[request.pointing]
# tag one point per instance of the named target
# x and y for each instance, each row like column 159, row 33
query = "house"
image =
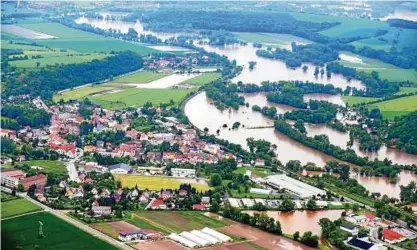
column 166, row 194
column 205, row 200
column 349, row 228
column 259, row 162
column 158, row 204
column 363, row 244
column 391, row 236
column 199, row 207
column 183, row 172
column 141, row 234
column 183, row 193
column 101, row 210
column 39, row 179
column 356, row 219
column 120, row 168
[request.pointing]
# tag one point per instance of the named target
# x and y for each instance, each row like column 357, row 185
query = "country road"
column 80, row 225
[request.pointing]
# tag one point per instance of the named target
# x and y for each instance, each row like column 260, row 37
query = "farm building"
column 199, row 241
column 182, row 240
column 142, row 234
column 294, row 186
column 363, row 244
column 207, row 237
column 217, row 235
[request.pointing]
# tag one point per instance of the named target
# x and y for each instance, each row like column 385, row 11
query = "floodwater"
column 26, row 33
column 165, row 82
column 122, row 26
column 168, row 48
column 200, row 111
column 301, row 221
column 274, row 70
column 402, row 13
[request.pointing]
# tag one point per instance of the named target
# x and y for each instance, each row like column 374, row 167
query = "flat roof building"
column 294, row 186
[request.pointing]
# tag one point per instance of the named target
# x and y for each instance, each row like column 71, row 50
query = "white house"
column 349, row 228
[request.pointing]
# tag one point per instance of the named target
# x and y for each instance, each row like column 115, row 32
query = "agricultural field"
column 178, row 221
column 50, row 61
column 134, row 97
column 22, row 233
column 396, row 107
column 142, row 77
column 353, row 100
column 81, row 41
column 348, row 26
column 113, row 229
column 270, row 38
column 203, row 79
column 385, row 70
column 406, row 90
column 81, row 92
column 154, row 182
column 17, row 207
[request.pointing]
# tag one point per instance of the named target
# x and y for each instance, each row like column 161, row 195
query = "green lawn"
column 204, row 79
column 17, row 207
column 134, row 97
column 142, row 77
column 397, row 107
column 174, row 221
column 32, row 63
column 353, row 100
column 406, row 90
column 22, row 233
column 261, row 172
column 48, row 166
column 81, row 92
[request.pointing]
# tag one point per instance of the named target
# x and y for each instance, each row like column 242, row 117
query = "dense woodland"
column 48, row 80
column 404, row 133
column 23, row 114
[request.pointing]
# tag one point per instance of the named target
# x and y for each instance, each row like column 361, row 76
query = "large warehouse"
column 294, row 186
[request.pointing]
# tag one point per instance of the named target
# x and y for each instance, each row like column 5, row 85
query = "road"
column 80, row 225
column 72, row 170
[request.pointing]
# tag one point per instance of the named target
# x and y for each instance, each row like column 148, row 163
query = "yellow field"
column 154, row 182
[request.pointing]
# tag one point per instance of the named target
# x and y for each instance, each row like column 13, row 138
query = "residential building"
column 39, row 179
column 349, row 228
column 183, row 172
column 10, row 182
column 101, row 210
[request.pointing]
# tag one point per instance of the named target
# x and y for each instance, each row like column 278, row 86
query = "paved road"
column 80, row 225
column 72, row 170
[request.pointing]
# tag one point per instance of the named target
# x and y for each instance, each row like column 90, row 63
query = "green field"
column 406, row 39
column 406, row 90
column 81, row 92
column 82, row 41
column 16, row 207
column 349, row 27
column 48, row 166
column 385, row 70
column 353, row 100
column 261, row 172
column 49, row 61
column 204, row 79
column 396, row 107
column 172, row 221
column 22, row 233
column 269, row 38
column 154, row 182
column 134, row 97
column 142, row 77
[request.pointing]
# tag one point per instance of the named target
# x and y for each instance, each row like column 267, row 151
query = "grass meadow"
column 17, row 207
column 142, row 77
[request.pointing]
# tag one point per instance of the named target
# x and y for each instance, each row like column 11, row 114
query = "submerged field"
column 142, row 77
column 203, row 79
column 17, row 207
column 154, row 182
column 22, row 233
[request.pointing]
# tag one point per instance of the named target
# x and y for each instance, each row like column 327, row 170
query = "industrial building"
column 293, row 186
column 203, row 238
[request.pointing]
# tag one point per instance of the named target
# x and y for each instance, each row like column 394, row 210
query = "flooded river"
column 301, row 221
column 274, row 70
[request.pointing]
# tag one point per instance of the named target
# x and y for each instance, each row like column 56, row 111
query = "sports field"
column 204, row 79
column 396, row 107
column 261, row 172
column 142, row 77
column 177, row 221
column 22, row 233
column 353, row 100
column 154, row 182
column 16, row 207
column 134, row 97
column 81, row 92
